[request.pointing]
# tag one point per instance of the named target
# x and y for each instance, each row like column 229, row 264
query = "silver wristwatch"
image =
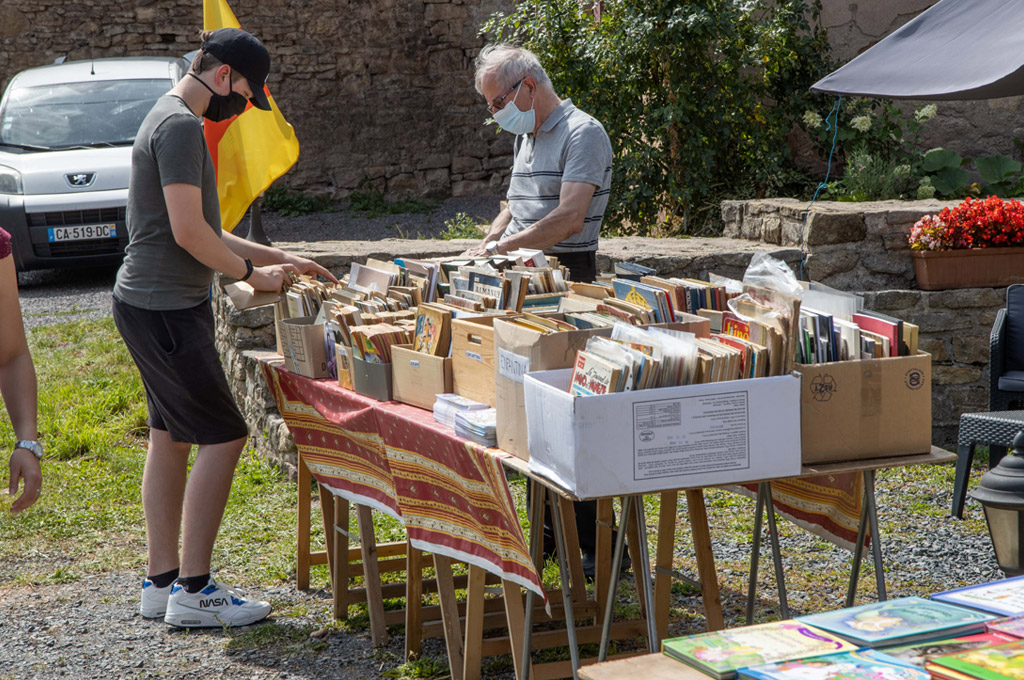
column 30, row 445
column 491, row 247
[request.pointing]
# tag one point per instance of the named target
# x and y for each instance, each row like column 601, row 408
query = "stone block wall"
column 862, row 247
column 380, row 93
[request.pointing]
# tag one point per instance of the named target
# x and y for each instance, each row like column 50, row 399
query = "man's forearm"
column 554, row 228
column 258, row 253
column 498, row 226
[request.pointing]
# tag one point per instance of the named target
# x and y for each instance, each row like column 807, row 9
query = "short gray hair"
column 509, row 63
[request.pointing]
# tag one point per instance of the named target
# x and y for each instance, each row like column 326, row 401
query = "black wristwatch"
column 248, row 269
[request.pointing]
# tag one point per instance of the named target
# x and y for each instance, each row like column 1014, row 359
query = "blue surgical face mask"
column 511, row 119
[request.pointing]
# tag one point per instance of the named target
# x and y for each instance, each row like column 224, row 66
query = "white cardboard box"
column 667, row 438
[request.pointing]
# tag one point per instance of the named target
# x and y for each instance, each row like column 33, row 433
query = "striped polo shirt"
column 571, row 146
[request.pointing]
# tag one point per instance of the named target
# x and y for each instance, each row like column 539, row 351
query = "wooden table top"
column 646, row 667
column 936, row 455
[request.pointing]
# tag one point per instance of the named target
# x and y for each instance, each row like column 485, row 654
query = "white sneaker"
column 212, row 607
column 154, row 600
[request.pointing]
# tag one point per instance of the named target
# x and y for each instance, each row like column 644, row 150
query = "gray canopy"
column 957, row 49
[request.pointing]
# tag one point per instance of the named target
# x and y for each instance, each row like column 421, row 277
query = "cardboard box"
column 666, row 438
column 519, row 350
column 473, row 358
column 372, row 380
column 871, row 408
column 304, row 349
column 417, row 378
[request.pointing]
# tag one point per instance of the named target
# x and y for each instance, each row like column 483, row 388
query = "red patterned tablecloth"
column 450, row 494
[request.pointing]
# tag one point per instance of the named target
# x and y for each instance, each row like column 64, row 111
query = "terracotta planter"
column 972, row 268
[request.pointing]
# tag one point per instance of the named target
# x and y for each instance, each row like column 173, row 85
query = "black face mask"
column 222, row 106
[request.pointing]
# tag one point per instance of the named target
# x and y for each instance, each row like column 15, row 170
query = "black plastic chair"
column 1006, row 353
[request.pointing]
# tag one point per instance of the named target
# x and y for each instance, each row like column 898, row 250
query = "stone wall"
column 244, row 337
column 380, row 93
column 862, row 247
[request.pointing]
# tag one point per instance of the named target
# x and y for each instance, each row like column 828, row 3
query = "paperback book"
column 721, row 653
column 905, row 620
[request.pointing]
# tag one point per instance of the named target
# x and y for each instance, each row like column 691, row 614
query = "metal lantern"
column 1001, row 493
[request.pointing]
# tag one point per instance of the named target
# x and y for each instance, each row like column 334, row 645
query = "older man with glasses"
column 563, row 164
column 558, row 192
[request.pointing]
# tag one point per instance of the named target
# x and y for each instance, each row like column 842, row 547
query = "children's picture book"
column 1002, row 662
column 593, row 375
column 867, row 664
column 920, row 653
column 433, row 330
column 721, row 653
column 1004, row 597
column 1010, row 625
column 904, row 620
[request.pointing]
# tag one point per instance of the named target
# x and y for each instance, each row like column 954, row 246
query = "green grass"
column 422, row 667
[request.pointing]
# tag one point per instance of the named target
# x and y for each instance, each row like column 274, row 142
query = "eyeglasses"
column 499, row 103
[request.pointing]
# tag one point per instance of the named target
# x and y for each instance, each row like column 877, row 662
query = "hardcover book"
column 1002, row 662
column 867, row 664
column 1004, row 597
column 920, row 653
column 905, row 620
column 1010, row 625
column 721, row 653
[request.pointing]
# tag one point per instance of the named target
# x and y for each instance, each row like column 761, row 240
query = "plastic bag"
column 767, row 272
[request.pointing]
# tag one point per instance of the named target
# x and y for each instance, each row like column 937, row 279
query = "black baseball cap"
column 246, row 54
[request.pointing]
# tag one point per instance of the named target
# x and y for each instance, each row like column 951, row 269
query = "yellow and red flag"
column 250, row 150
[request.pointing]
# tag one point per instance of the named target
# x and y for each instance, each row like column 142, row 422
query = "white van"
column 66, row 134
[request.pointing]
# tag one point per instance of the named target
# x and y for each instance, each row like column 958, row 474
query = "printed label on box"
column 512, row 365
column 691, row 435
column 475, row 356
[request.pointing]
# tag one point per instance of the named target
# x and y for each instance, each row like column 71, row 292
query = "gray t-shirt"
column 571, row 146
column 157, row 273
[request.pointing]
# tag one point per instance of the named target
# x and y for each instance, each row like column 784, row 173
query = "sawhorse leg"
column 868, row 515
column 371, row 576
column 765, row 503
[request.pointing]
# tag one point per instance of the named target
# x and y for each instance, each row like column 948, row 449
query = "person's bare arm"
column 193, row 233
column 260, row 254
column 494, row 232
column 559, row 224
column 18, row 389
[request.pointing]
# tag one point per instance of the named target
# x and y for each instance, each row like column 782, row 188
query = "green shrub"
column 294, row 203
column 462, row 226
column 697, row 97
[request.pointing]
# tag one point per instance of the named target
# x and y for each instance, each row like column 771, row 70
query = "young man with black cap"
column 162, row 309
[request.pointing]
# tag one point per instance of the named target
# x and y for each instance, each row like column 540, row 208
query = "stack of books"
column 477, row 425
column 447, row 405
column 910, row 638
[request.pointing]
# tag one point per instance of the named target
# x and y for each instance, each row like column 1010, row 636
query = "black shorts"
column 582, row 265
column 186, row 390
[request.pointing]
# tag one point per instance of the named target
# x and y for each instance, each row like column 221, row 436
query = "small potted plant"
column 978, row 243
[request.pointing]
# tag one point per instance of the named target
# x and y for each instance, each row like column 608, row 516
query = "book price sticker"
column 691, row 435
